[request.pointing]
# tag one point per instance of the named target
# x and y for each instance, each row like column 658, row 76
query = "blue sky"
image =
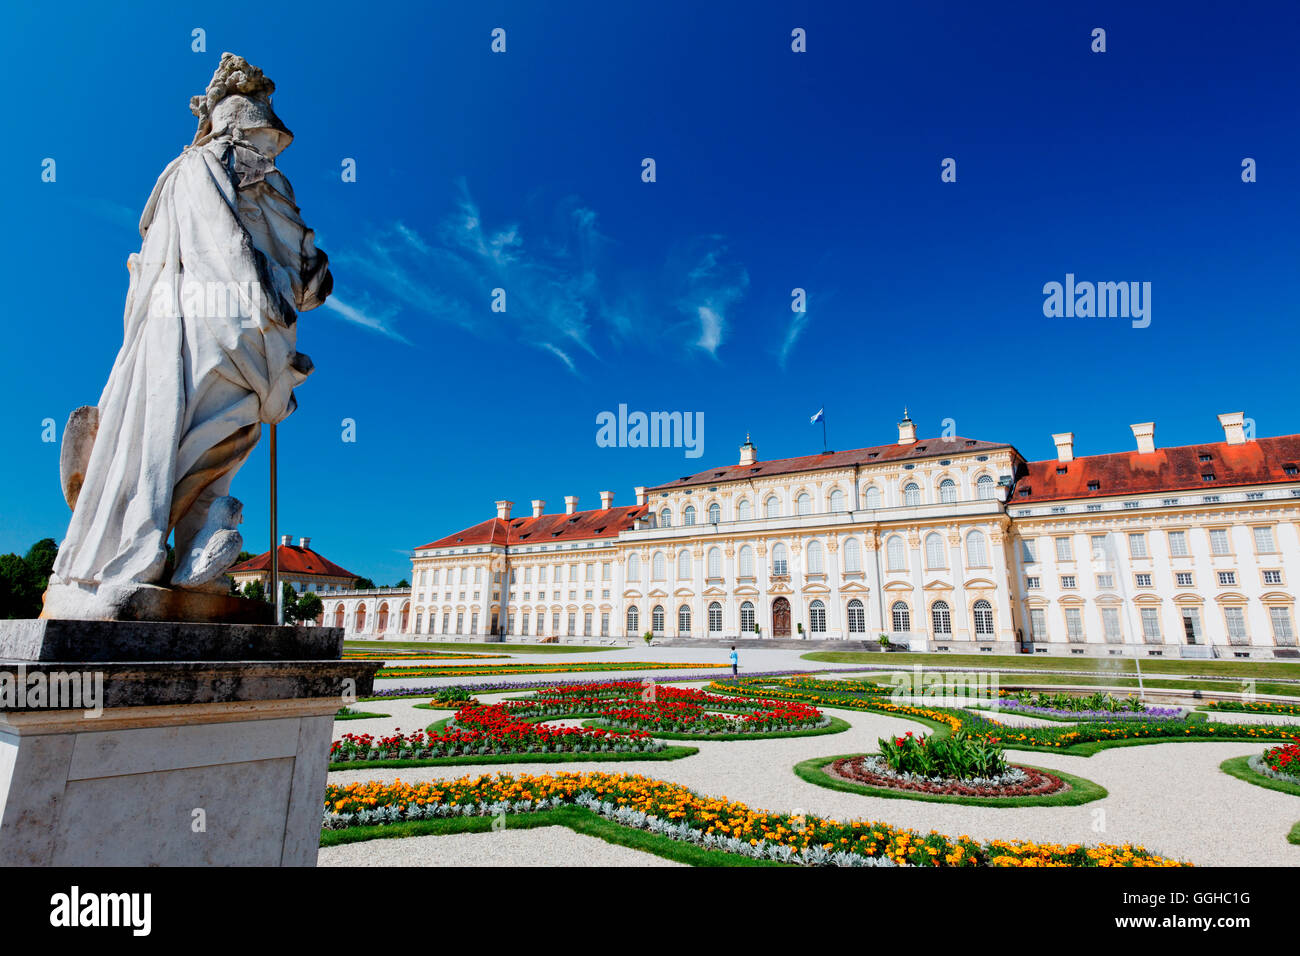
column 775, row 170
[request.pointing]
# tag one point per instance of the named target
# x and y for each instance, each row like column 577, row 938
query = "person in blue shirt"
column 735, row 661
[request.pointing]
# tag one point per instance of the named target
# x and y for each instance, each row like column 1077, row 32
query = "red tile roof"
column 1258, row 462
column 923, row 448
column 518, row 531
column 294, row 560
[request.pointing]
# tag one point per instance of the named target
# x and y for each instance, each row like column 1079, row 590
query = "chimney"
column 539, row 505
column 748, row 453
column 570, row 504
column 503, row 509
column 304, row 543
column 606, row 500
column 1064, row 446
column 284, row 540
column 906, row 430
column 1233, row 423
column 1145, row 433
column 639, row 491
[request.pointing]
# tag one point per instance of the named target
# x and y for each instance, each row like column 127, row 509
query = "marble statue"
column 208, row 356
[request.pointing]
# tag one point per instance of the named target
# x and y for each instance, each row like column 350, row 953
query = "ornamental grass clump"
column 959, row 756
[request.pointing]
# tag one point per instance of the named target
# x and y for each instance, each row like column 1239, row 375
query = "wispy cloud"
column 798, row 322
column 562, row 295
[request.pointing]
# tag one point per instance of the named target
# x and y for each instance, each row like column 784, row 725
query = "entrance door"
column 780, row 618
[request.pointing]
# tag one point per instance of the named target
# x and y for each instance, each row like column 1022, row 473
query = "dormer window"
column 1061, row 470
column 1094, row 486
column 1291, row 469
column 1207, row 476
column 1204, row 458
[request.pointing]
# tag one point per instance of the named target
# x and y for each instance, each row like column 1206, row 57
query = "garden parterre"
column 675, row 811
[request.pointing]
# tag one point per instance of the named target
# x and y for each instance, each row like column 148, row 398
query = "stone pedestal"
column 135, row 744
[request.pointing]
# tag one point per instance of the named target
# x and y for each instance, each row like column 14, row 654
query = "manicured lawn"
column 1240, row 768
column 1121, row 665
column 467, row 648
column 1081, row 790
column 359, row 715
column 577, row 819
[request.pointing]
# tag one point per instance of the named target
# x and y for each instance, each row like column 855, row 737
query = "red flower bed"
column 1284, row 759
column 1037, row 783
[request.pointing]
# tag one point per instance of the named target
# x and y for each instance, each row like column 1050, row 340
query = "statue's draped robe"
column 195, row 378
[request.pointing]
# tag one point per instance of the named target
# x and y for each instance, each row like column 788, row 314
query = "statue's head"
column 238, row 104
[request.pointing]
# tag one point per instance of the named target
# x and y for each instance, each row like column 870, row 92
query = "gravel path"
column 542, row 846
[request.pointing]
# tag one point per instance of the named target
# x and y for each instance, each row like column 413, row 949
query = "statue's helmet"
column 238, row 103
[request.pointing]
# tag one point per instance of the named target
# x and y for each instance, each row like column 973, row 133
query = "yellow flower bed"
column 720, row 816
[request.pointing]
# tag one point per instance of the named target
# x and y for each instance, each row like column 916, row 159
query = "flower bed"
column 1282, row 762
column 1055, row 713
column 872, row 771
column 490, row 687
column 629, row 705
column 1255, row 707
column 674, row 811
column 1087, row 736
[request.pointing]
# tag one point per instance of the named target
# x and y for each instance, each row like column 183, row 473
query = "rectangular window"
column 1110, row 624
column 1031, row 550
column 1038, row 624
column 1191, row 625
column 1151, row 625
column 606, row 570
column 573, row 623
column 1169, row 501
column 1094, row 507
column 1178, row 544
column 1264, row 540
column 1183, row 579
column 1283, row 634
column 1236, row 621
column 1063, row 550
column 1105, row 581
column 473, row 623
column 1132, row 504
column 1227, row 578
column 1031, row 583
column 604, row 624
column 460, row 622
column 586, row 624
column 1137, row 544
column 1219, row 543
column 1067, row 580
column 1272, row 577
column 1073, row 624
column 1142, row 580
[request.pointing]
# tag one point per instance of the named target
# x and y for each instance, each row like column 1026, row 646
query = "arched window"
column 360, row 622
column 804, row 503
column 871, row 497
column 901, row 616
column 633, row 619
column 715, row 562
column 683, row 565
column 684, row 619
column 983, row 619
column 338, row 616
column 780, row 559
column 984, row 486
column 976, row 554
column 772, row 507
column 746, row 561
column 633, row 569
column 665, row 518
column 816, row 562
column 715, row 513
column 744, row 511
column 934, row 551
column 715, row 617
column 895, row 553
column 817, row 617
column 948, row 491
column 837, row 500
column 852, row 555
column 688, row 516
column 747, row 618
column 657, row 619
column 857, row 617
column 941, row 617
column 659, row 571
column 911, row 495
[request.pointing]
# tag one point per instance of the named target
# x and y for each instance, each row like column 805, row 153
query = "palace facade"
column 945, row 544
